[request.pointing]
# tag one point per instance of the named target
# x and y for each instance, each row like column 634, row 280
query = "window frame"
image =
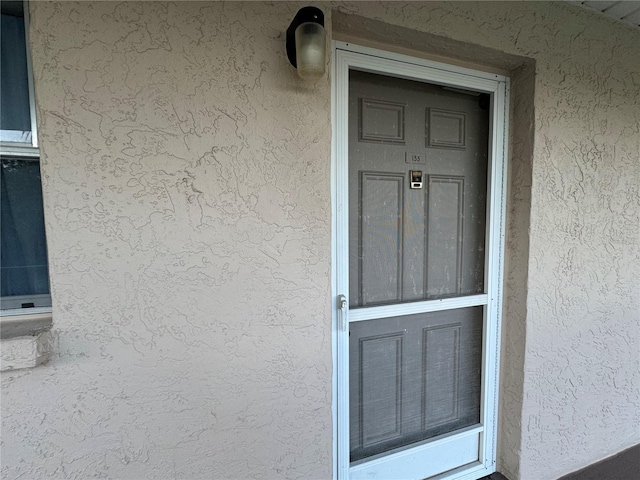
column 24, row 148
column 28, row 152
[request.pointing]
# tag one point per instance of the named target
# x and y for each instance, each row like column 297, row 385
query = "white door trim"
column 347, row 56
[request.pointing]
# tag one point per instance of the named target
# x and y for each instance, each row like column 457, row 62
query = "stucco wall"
column 186, row 186
column 187, row 191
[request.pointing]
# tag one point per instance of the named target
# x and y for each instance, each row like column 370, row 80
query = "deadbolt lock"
column 415, row 177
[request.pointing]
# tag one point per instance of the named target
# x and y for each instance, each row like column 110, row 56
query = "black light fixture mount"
column 306, row 43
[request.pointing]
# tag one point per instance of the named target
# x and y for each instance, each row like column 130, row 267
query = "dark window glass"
column 15, row 114
column 23, row 251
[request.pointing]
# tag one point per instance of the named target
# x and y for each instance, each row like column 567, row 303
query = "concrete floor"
column 623, row 466
column 495, row 476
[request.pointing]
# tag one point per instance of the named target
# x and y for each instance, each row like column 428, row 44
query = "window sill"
column 26, row 339
column 19, row 149
column 18, row 323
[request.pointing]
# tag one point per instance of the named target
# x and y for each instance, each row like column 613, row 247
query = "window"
column 24, row 275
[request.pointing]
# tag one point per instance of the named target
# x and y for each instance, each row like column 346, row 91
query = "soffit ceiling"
column 627, row 11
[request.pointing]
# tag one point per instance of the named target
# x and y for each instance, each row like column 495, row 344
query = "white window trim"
column 375, row 60
column 32, row 92
column 18, row 148
column 28, row 321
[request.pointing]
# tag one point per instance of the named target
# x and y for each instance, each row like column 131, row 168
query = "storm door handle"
column 342, row 305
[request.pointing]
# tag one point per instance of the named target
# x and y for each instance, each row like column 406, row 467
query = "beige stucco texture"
column 186, row 180
column 186, row 176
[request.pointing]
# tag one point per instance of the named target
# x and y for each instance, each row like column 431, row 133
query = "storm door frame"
column 346, row 56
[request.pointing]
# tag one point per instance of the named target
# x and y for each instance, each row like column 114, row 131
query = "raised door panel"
column 380, row 406
column 444, row 235
column 440, row 374
column 381, row 238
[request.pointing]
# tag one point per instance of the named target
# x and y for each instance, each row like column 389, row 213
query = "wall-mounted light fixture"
column 306, row 45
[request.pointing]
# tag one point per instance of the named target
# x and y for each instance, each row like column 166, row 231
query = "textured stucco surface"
column 186, row 179
column 516, row 268
column 187, row 199
column 25, row 352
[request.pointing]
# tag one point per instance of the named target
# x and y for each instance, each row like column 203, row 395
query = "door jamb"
column 377, row 61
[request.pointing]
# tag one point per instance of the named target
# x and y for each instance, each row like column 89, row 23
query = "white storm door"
column 419, row 183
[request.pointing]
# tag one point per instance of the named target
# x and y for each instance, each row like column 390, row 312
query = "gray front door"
column 414, row 377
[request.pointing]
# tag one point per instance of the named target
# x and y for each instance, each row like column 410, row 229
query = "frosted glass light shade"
column 310, row 50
